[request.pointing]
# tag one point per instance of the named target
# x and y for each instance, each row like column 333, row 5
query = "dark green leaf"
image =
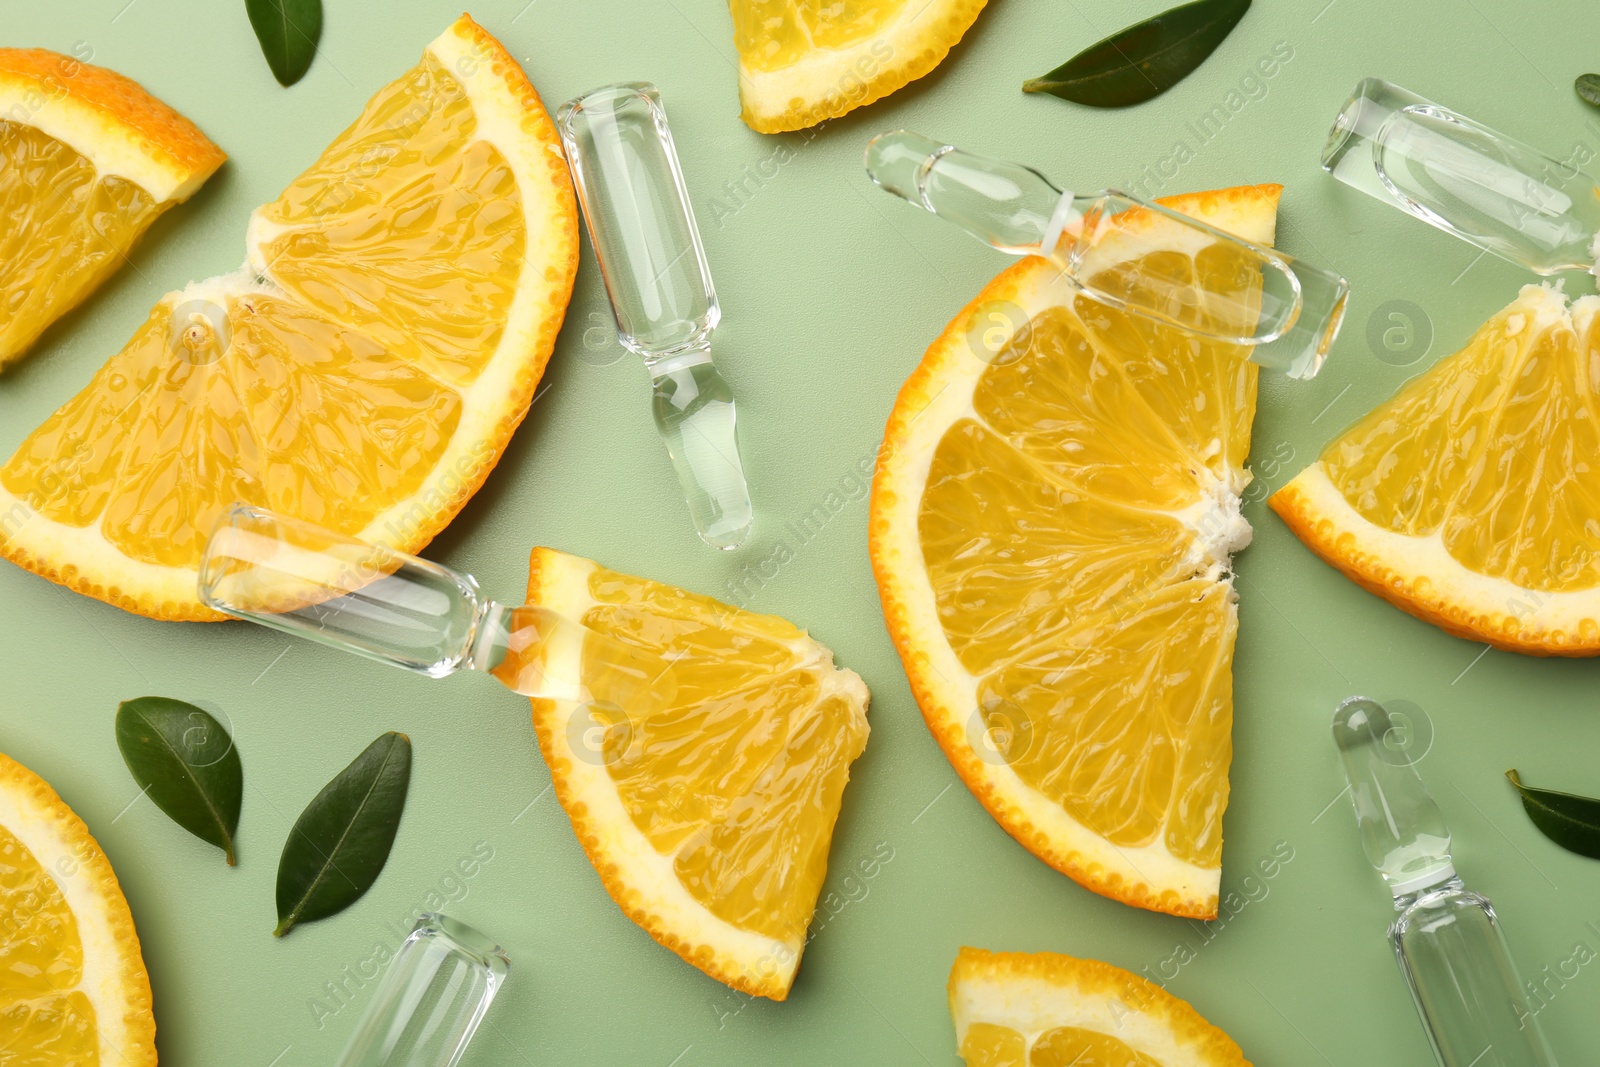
column 340, row 842
column 1573, row 822
column 186, row 762
column 1144, row 60
column 1588, row 87
column 288, row 32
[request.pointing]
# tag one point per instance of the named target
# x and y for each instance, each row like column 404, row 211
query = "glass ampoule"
column 432, row 999
column 1447, row 939
column 1285, row 313
column 1489, row 189
column 299, row 578
column 636, row 205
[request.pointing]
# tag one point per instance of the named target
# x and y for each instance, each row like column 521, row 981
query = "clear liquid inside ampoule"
column 299, row 578
column 1462, row 177
column 639, row 220
column 695, row 414
column 1455, row 960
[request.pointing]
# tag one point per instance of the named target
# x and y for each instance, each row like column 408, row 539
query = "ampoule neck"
column 680, row 357
column 1006, row 205
column 490, row 635
column 1449, row 884
column 531, row 650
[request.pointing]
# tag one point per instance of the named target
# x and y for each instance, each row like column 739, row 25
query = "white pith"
column 1215, row 519
column 41, row 833
column 957, row 688
column 490, row 399
column 1452, row 583
column 1033, row 1005
column 113, row 147
column 647, row 876
column 1436, row 579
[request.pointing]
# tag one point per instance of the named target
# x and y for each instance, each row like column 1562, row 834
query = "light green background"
column 831, row 291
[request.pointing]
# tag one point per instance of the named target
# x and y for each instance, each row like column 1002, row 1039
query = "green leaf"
column 340, row 842
column 288, row 32
column 1144, row 60
column 186, row 762
column 1588, row 87
column 1573, row 822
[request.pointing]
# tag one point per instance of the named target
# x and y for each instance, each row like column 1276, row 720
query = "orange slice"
column 804, row 61
column 1053, row 519
column 1467, row 499
column 707, row 810
column 73, row 987
column 1014, row 1009
column 88, row 160
column 365, row 369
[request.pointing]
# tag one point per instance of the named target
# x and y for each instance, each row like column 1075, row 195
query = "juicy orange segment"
column 804, row 61
column 363, row 372
column 73, row 987
column 1052, row 524
column 708, row 805
column 88, row 160
column 425, row 263
column 1465, row 499
column 1042, row 1009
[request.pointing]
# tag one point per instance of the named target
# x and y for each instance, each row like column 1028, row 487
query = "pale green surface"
column 831, row 290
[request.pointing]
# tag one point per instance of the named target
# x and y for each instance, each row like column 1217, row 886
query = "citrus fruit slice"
column 1041, row 1009
column 1053, row 518
column 88, row 160
column 364, row 371
column 802, row 62
column 73, row 988
column 1468, row 499
column 708, row 808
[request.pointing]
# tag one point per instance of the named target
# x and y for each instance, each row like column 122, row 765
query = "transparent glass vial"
column 1287, row 322
column 295, row 576
column 1462, row 177
column 432, row 999
column 1447, row 939
column 645, row 239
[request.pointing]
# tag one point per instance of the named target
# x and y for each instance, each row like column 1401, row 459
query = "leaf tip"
column 283, row 927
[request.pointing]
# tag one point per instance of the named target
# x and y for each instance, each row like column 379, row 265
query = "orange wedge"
column 802, row 62
column 1469, row 499
column 364, row 370
column 73, row 987
column 1053, row 519
column 88, row 160
column 708, row 811
column 1041, row 1009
